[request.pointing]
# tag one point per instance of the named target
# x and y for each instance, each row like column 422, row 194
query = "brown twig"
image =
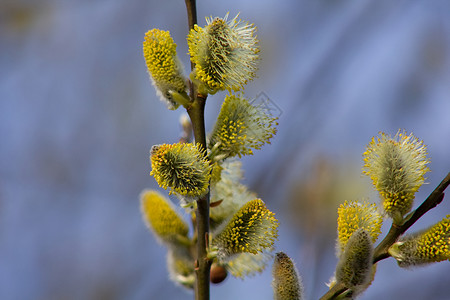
column 334, row 291
column 196, row 114
column 191, row 8
column 436, row 197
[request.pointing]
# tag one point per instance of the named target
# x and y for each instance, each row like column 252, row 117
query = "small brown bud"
column 218, row 273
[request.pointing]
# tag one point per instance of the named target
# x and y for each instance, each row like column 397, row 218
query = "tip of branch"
column 440, row 198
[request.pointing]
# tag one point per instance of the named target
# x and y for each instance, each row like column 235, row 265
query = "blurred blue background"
column 78, row 116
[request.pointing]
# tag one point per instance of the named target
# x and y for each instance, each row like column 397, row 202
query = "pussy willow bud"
column 230, row 191
column 216, row 173
column 248, row 264
column 286, row 282
column 353, row 216
column 161, row 217
column 240, row 127
column 218, row 273
column 181, row 167
column 397, row 166
column 180, row 265
column 252, row 229
column 431, row 245
column 354, row 268
column 186, row 125
column 225, row 53
column 166, row 71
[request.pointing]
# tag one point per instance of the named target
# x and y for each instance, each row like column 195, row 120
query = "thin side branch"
column 333, row 292
column 381, row 251
column 436, row 197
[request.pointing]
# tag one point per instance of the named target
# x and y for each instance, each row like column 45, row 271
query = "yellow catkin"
column 352, row 216
column 225, row 53
column 182, row 167
column 431, row 245
column 252, row 229
column 240, row 128
column 354, row 268
column 163, row 65
column 397, row 167
column 161, row 217
column 286, row 282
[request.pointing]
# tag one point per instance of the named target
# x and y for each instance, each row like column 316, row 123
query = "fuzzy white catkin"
column 355, row 265
column 286, row 282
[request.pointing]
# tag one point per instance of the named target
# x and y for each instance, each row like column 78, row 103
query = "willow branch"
column 381, row 251
column 196, row 113
column 436, row 197
column 334, row 291
column 191, row 8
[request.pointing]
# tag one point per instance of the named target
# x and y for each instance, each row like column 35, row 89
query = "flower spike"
column 286, row 282
column 225, row 53
column 161, row 217
column 354, row 268
column 164, row 67
column 182, row 167
column 252, row 229
column 397, row 166
column 240, row 128
column 353, row 216
column 432, row 245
